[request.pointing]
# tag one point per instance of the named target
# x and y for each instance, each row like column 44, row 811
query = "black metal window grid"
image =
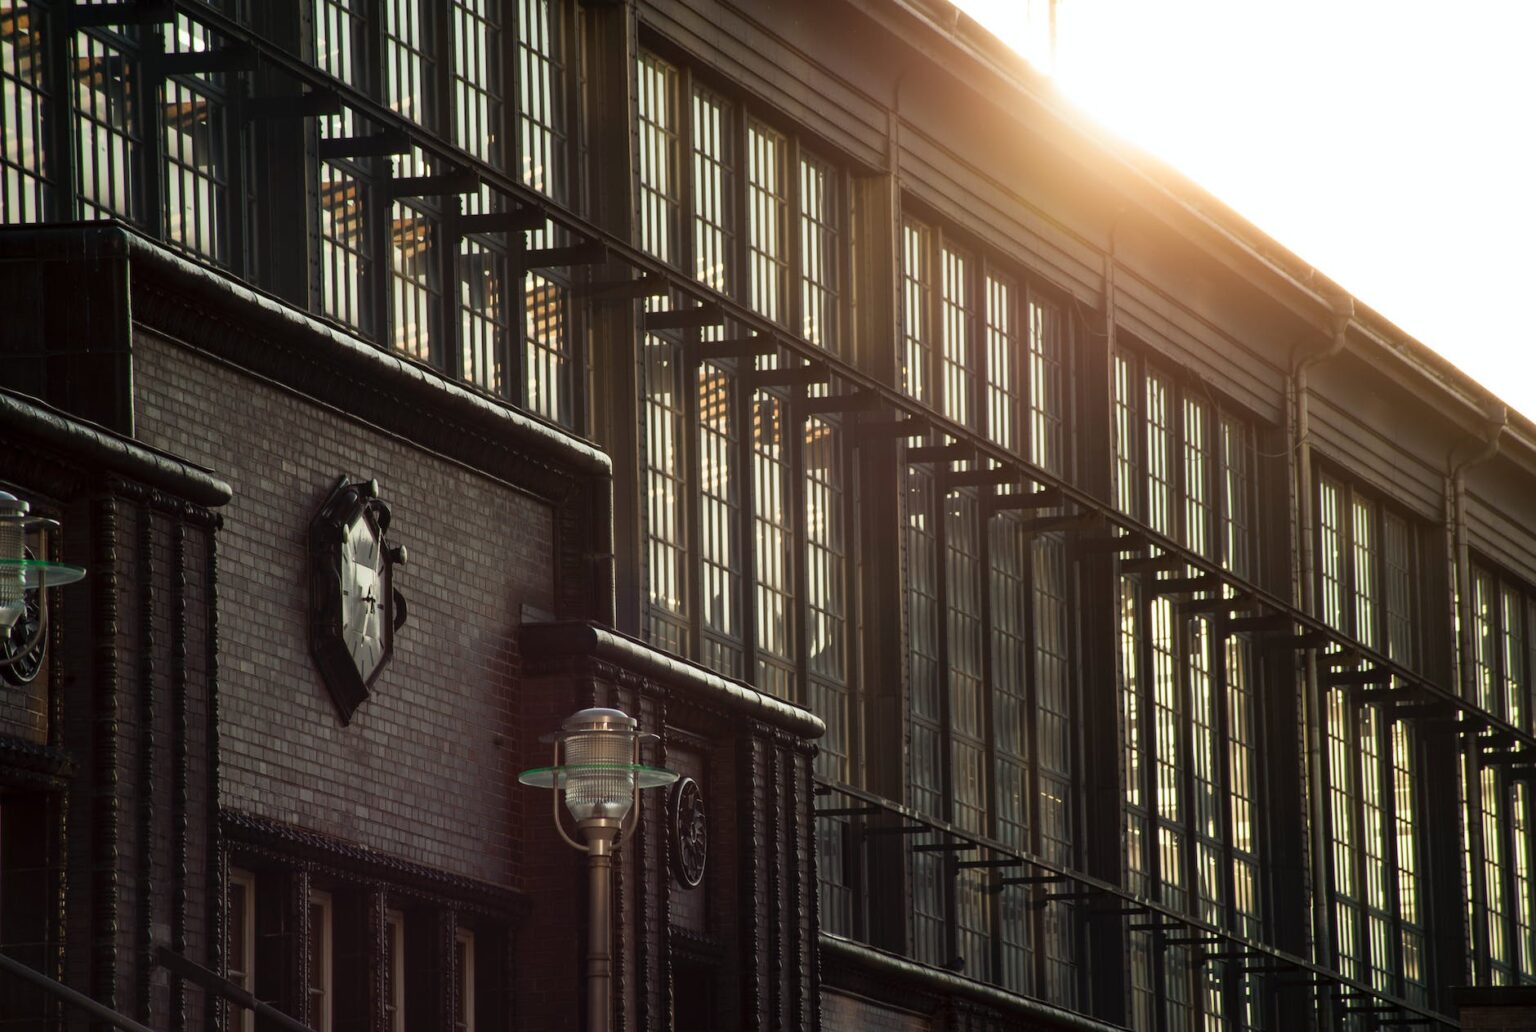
column 25, row 174
column 990, row 719
column 1367, row 568
column 1498, row 796
column 737, row 479
column 1184, row 464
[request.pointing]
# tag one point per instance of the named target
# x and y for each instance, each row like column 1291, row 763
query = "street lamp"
column 602, row 777
column 20, row 574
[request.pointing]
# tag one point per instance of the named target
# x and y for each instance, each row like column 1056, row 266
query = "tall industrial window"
column 1367, row 564
column 24, row 171
column 773, row 537
column 194, row 205
column 819, row 282
column 767, row 269
column 1503, row 617
column 477, row 127
column 1183, row 465
column 547, row 351
column 989, row 617
column 344, row 197
column 108, row 126
column 720, row 488
column 916, row 334
column 666, row 615
column 415, row 224
column 738, row 483
column 767, row 222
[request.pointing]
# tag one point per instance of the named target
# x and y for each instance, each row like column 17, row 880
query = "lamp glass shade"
column 559, row 777
column 29, row 574
column 601, row 783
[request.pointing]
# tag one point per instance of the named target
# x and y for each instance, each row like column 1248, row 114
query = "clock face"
column 354, row 607
column 363, row 602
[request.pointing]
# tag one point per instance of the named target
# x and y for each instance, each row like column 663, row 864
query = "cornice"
column 25, row 763
column 548, row 645
column 208, row 311
column 170, row 480
column 285, row 843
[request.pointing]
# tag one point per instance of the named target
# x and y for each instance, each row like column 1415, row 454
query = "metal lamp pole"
column 600, row 781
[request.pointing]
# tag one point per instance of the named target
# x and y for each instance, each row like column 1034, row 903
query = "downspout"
column 1456, row 531
column 1311, row 713
column 1463, row 671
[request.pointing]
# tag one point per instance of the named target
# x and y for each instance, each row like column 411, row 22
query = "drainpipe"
column 1464, row 675
column 1456, row 533
column 1303, row 571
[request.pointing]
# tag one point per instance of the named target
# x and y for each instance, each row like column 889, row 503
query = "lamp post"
column 601, row 779
column 19, row 574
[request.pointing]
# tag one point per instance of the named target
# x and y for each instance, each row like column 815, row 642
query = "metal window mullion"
column 938, row 502
column 1033, row 814
column 376, row 172
column 989, row 721
column 1147, row 708
column 1472, row 814
column 793, row 422
column 149, row 121
column 1507, row 873
column 1222, row 731
column 689, row 368
column 444, row 324
column 60, row 114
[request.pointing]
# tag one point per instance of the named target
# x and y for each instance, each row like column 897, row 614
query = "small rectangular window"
column 394, row 970
column 464, row 981
column 240, row 948
column 320, row 992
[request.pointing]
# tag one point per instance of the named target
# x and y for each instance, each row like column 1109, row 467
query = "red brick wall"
column 422, row 772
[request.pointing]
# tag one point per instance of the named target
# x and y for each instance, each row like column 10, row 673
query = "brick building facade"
column 1075, row 612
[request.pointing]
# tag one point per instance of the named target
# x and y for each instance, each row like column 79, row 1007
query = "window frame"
column 1387, row 750
column 674, row 216
column 1508, row 818
column 1176, row 689
column 321, row 939
column 246, row 979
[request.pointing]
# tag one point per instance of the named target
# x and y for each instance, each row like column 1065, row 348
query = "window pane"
column 955, row 311
column 107, row 137
column 819, row 252
column 767, row 253
column 916, row 343
column 24, row 172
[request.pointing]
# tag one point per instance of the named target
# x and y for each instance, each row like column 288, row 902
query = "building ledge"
column 836, row 950
column 574, row 639
column 26, row 417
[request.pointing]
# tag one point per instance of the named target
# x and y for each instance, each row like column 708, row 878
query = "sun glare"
column 1386, row 142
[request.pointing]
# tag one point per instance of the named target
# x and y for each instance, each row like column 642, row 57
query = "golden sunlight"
column 1387, row 142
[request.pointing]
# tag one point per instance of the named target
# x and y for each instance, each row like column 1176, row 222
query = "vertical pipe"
column 600, row 929
column 1312, row 712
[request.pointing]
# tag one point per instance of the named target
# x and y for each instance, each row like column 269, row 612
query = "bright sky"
column 1389, row 143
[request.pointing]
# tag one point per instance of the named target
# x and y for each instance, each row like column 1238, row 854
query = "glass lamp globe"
column 18, row 574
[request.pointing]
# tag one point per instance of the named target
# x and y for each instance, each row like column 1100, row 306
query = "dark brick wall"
column 841, row 1013
column 421, row 772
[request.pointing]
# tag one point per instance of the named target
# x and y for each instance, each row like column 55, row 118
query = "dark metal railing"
column 884, row 839
column 171, row 961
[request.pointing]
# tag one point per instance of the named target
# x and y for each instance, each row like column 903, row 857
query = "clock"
column 355, row 608
column 23, row 662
